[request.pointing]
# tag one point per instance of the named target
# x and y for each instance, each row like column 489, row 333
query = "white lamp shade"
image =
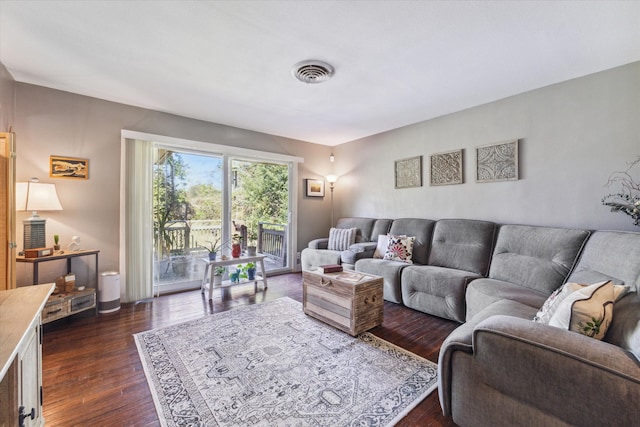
column 332, row 178
column 37, row 196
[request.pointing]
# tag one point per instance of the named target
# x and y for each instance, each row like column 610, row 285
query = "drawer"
column 55, row 310
column 82, row 302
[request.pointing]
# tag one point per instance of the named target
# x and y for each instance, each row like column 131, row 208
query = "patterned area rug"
column 271, row 365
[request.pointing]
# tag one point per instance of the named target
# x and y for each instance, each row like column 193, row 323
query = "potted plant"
column 250, row 268
column 251, row 243
column 213, row 248
column 236, row 246
column 218, row 272
column 56, row 242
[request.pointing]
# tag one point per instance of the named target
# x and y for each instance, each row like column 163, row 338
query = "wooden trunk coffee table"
column 349, row 301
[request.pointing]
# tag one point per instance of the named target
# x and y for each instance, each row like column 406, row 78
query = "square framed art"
column 408, row 172
column 446, row 168
column 314, row 187
column 497, row 162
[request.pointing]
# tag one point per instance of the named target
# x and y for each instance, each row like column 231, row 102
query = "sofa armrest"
column 537, row 372
column 358, row 251
column 322, row 243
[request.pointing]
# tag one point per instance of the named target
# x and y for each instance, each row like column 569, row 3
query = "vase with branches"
column 627, row 200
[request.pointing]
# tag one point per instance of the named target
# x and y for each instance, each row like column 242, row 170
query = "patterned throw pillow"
column 400, row 248
column 341, row 238
column 586, row 309
column 589, row 310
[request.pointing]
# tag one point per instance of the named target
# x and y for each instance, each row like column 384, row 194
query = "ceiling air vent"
column 312, row 71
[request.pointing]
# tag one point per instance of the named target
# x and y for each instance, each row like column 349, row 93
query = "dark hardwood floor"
column 93, row 376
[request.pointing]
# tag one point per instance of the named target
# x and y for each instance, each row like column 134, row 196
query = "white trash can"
column 109, row 292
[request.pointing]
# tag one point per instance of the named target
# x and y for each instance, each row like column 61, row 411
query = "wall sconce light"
column 331, row 179
column 332, row 158
column 36, row 196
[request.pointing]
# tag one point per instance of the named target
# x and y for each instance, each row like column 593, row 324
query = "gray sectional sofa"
column 499, row 367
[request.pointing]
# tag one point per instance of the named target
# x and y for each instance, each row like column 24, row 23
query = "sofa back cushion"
column 463, row 244
column 538, row 258
column 607, row 255
column 364, row 227
column 381, row 226
column 421, row 229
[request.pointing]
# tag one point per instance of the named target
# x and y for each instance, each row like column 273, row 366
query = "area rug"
column 271, row 365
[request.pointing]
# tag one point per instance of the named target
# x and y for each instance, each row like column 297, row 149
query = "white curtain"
column 139, row 219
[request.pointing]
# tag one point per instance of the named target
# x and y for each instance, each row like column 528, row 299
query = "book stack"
column 332, row 268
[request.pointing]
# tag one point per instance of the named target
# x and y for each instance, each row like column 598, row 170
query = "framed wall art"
column 68, row 167
column 446, row 168
column 497, row 162
column 408, row 172
column 314, row 187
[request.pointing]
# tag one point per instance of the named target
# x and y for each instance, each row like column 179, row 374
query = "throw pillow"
column 588, row 310
column 381, row 247
column 400, row 248
column 341, row 238
column 552, row 303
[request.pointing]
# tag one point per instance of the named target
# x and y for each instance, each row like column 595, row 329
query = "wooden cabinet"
column 7, row 211
column 21, row 355
column 351, row 305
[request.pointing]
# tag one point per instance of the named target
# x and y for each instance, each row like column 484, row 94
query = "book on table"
column 331, row 268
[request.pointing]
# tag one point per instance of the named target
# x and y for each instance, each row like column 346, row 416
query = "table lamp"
column 36, row 196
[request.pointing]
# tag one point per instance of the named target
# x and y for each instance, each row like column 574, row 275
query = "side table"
column 209, row 270
column 76, row 300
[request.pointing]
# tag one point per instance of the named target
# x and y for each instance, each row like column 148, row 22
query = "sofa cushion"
column 439, row 291
column 537, row 258
column 606, row 256
column 463, row 244
column 421, row 229
column 399, row 248
column 364, row 227
column 341, row 238
column 484, row 292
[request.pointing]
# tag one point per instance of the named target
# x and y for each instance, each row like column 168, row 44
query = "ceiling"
column 229, row 62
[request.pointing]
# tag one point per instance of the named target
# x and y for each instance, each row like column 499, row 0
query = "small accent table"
column 209, row 271
column 66, row 304
column 67, row 255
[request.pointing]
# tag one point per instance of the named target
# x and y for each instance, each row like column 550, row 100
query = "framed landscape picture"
column 408, row 172
column 68, row 167
column 314, row 187
column 497, row 162
column 446, row 168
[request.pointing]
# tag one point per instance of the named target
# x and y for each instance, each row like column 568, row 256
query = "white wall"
column 573, row 135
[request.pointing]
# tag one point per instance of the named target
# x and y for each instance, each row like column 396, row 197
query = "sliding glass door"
column 260, row 209
column 202, row 200
column 187, row 215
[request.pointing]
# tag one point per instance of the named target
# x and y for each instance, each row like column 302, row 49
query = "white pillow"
column 552, row 303
column 588, row 310
column 341, row 238
column 381, row 247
